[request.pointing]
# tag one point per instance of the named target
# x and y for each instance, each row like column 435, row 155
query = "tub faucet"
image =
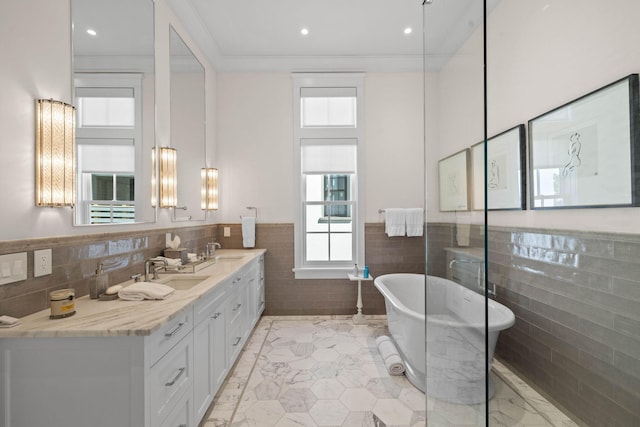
column 464, row 261
column 148, row 263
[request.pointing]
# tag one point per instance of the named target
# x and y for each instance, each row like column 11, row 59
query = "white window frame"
column 112, row 134
column 328, row 269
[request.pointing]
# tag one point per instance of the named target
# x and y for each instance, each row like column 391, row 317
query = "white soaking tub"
column 449, row 363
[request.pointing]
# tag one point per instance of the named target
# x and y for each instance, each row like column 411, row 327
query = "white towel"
column 392, row 360
column 415, row 221
column 463, row 232
column 145, row 290
column 173, row 264
column 248, row 231
column 394, row 222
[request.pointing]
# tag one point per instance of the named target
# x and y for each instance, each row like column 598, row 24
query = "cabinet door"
column 260, row 293
column 210, row 358
column 202, row 368
column 218, row 348
column 260, row 287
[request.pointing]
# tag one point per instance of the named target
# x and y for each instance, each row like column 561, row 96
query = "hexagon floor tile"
column 326, row 371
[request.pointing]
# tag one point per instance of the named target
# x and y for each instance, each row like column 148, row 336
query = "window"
column 112, row 197
column 109, row 141
column 328, row 141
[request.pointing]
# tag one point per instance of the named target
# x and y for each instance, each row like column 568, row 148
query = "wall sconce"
column 209, row 189
column 55, row 153
column 167, row 171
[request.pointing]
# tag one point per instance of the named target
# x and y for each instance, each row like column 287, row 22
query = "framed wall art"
column 453, row 180
column 505, row 172
column 586, row 153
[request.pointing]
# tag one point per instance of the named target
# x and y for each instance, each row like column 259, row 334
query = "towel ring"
column 252, row 208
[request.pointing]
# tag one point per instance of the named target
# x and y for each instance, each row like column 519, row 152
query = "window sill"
column 323, row 273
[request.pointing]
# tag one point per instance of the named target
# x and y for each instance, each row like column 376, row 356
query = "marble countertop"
column 130, row 318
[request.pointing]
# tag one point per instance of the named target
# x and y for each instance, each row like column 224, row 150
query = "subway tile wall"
column 75, row 258
column 123, row 253
column 576, row 297
column 285, row 295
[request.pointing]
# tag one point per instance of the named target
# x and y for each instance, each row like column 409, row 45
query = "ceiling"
column 343, row 34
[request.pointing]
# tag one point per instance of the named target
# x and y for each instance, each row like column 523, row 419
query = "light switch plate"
column 13, row 268
column 41, row 262
column 227, row 231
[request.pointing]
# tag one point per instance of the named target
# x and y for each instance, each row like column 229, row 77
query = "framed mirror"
column 114, row 95
column 187, row 126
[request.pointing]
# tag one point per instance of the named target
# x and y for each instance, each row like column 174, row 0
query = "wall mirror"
column 114, row 94
column 187, row 126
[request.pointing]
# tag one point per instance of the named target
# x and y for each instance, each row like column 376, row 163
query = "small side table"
column 359, row 318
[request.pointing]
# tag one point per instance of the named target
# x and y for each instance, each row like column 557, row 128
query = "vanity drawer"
column 235, row 342
column 169, row 335
column 235, row 306
column 180, row 415
column 168, row 380
column 210, row 302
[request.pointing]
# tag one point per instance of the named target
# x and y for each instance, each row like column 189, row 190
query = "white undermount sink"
column 182, row 283
column 228, row 257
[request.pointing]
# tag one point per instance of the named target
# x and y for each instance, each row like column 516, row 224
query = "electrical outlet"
column 227, row 231
column 41, row 262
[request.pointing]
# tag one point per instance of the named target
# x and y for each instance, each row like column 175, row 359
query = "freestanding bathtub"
column 453, row 352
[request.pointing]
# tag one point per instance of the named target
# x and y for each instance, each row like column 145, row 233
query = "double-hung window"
column 109, row 141
column 328, row 146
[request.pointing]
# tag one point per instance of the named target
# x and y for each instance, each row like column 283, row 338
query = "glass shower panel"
column 456, row 341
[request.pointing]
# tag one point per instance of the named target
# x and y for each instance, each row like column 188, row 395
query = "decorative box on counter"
column 180, row 253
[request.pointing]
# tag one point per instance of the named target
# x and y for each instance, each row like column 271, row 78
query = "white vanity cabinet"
column 112, row 365
column 98, row 381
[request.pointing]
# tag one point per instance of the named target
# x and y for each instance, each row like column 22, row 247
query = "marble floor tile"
column 326, row 371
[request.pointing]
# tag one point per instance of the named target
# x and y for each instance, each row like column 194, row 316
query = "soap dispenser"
column 99, row 284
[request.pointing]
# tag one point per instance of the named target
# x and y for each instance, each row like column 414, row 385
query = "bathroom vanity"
column 133, row 363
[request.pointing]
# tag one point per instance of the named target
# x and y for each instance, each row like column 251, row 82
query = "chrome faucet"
column 211, row 249
column 464, row 261
column 491, row 290
column 152, row 261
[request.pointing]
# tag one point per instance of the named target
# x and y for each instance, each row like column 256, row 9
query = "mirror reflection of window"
column 108, row 137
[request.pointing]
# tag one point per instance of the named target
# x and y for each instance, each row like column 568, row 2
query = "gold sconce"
column 55, row 153
column 209, row 189
column 167, row 171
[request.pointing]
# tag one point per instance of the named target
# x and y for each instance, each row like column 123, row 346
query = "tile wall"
column 287, row 296
column 75, row 258
column 576, row 297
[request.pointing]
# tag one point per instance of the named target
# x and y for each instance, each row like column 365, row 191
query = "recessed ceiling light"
column 91, row 32
column 304, row 31
column 408, row 30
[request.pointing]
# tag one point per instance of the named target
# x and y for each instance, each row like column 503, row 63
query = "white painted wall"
column 255, row 137
column 37, row 64
column 540, row 56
